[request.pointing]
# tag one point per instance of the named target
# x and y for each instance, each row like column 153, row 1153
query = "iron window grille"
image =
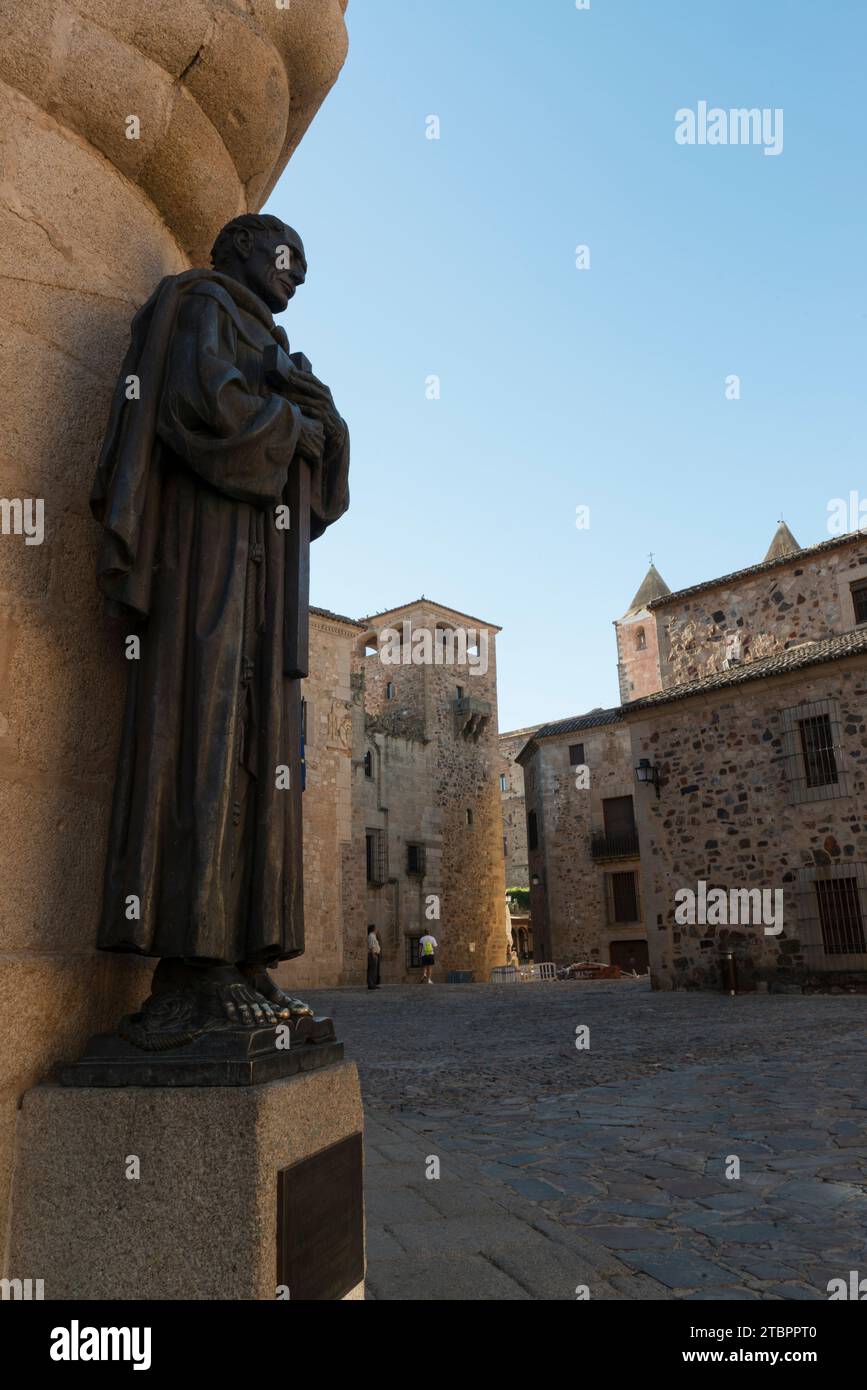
column 377, row 857
column 813, row 752
column 576, row 755
column 831, row 916
column 817, row 750
column 413, row 954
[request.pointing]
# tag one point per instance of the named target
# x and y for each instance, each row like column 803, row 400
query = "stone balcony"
column 472, row 716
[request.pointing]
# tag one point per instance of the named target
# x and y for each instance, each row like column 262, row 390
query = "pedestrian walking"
column 374, row 956
column 379, row 957
column 427, row 948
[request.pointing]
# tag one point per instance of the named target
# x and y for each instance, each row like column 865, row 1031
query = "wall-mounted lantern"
column 648, row 774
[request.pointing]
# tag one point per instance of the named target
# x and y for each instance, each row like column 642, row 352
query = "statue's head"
column 265, row 255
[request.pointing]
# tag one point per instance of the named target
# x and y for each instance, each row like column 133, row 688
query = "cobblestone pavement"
column 607, row 1167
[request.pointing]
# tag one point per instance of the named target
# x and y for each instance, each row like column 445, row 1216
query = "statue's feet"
column 189, row 999
column 306, row 1027
column 267, row 986
column 244, row 1005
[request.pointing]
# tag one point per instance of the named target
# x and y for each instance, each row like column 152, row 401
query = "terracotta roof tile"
column 796, row 558
column 337, row 617
column 579, row 722
column 797, row 658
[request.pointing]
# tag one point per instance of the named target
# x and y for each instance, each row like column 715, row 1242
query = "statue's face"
column 275, row 266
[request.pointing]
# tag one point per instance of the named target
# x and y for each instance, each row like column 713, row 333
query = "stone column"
column 129, row 133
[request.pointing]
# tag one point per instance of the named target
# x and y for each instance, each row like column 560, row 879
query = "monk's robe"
column 204, row 852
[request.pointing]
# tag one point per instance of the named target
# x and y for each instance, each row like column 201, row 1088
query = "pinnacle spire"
column 784, row 543
column 653, row 586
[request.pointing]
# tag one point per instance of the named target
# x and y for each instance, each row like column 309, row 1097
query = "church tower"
column 638, row 666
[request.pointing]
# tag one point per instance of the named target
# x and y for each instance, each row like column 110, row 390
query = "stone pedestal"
column 200, row 1221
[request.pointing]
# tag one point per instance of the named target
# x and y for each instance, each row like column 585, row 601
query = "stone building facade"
column 793, row 596
column 741, row 749
column 515, row 853
column 402, row 823
column 90, row 221
column 429, row 794
column 514, row 811
column 762, row 785
column 330, row 878
column 585, row 897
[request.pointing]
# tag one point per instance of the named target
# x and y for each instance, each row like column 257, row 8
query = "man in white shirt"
column 427, row 949
column 374, row 952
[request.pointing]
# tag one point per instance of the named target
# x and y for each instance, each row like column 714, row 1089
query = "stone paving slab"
column 446, row 1279
column 615, row 1158
column 458, row 1216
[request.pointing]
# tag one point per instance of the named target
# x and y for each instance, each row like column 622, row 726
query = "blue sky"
column 562, row 388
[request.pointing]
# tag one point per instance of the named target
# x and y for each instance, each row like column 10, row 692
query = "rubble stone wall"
column 726, row 815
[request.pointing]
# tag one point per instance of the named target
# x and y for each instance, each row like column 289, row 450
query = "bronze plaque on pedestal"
column 320, row 1223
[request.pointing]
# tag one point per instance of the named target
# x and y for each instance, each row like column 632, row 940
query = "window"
column 619, row 816
column 505, row 847
column 813, row 752
column 504, row 782
column 445, row 646
column 532, row 830
column 840, row 916
column 576, row 755
column 376, row 846
column 619, row 840
column 830, row 918
column 623, row 901
column 413, row 958
column 459, row 692
column 620, row 837
column 817, row 750
column 368, row 764
column 641, row 640
column 859, row 598
column 415, row 860
column 469, row 816
column 389, row 691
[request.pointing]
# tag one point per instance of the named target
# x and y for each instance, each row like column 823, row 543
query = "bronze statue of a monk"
column 223, row 455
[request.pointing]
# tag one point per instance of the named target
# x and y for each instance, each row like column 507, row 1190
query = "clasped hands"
column 320, row 422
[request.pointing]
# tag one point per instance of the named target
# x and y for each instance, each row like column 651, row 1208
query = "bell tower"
column 638, row 665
